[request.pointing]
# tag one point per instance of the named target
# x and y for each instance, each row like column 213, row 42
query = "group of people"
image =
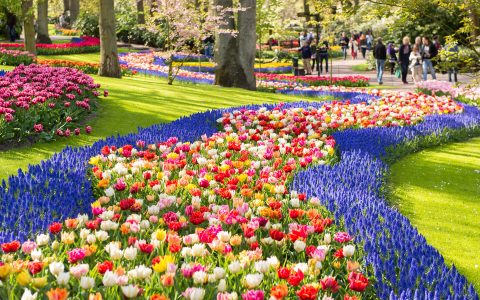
column 313, row 53
column 418, row 58
column 360, row 42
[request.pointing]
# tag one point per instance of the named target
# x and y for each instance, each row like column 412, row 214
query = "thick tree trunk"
column 153, row 6
column 42, row 20
column 109, row 66
column 28, row 26
column 66, row 5
column 74, row 10
column 235, row 56
column 140, row 12
column 226, row 49
column 247, row 38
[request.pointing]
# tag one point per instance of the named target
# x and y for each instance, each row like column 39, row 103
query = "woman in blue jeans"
column 429, row 51
column 380, row 55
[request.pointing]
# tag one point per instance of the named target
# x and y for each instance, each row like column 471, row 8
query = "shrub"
column 87, row 24
column 41, row 102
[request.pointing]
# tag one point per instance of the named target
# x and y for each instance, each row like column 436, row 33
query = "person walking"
column 322, row 54
column 380, row 55
column 392, row 57
column 404, row 57
column 369, row 37
column 303, row 38
column 416, row 64
column 313, row 49
column 428, row 53
column 363, row 45
column 354, row 46
column 344, row 44
column 306, row 53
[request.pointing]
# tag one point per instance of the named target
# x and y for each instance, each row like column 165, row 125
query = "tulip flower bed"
column 85, row 67
column 16, row 57
column 86, row 45
column 149, row 63
column 347, row 81
column 166, row 214
column 466, row 94
column 41, row 102
column 208, row 67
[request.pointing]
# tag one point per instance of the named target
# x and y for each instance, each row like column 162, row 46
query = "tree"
column 28, row 26
column 42, row 20
column 140, row 12
column 75, row 10
column 235, row 54
column 184, row 25
column 109, row 65
column 66, row 5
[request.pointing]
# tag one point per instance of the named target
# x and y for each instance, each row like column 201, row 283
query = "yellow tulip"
column 23, row 278
column 161, row 235
column 5, row 270
column 161, row 266
column 39, row 282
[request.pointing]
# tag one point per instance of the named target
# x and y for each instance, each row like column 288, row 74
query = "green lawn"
column 138, row 101
column 439, row 191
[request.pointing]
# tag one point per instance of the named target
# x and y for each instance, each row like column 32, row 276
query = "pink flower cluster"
column 44, row 99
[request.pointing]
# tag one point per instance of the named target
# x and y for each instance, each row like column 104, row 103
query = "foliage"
column 87, row 24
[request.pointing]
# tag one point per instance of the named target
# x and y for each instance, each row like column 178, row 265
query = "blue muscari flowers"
column 404, row 265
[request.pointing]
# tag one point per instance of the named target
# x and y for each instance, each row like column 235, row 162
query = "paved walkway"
column 344, row 68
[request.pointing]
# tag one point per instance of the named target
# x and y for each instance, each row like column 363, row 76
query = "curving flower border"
column 405, row 266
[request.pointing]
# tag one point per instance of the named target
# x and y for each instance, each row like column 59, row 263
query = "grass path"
column 134, row 102
column 439, row 191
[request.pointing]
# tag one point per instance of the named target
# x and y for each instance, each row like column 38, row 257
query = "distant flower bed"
column 85, row 67
column 44, row 102
column 209, row 67
column 348, row 81
column 466, row 94
column 16, row 57
column 69, row 32
column 85, row 44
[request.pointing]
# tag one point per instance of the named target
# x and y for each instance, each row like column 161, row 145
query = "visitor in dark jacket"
column 322, row 54
column 392, row 56
column 306, row 53
column 380, row 55
column 404, row 57
column 429, row 51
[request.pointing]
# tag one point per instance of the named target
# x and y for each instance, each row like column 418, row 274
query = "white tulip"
column 198, row 250
column 56, row 268
column 87, row 283
column 299, row 245
column 36, row 254
column 235, row 267
column 222, row 285
column 200, row 277
column 27, row 295
column 348, row 250
column 197, row 294
column 130, row 291
column 130, row 253
column 43, row 239
column 109, row 279
column 219, row 272
column 262, row 266
column 253, row 280
column 63, row 278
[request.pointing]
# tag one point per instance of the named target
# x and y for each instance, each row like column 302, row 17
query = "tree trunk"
column 74, row 10
column 42, row 20
column 247, row 38
column 140, row 12
column 28, row 26
column 226, row 49
column 66, row 5
column 153, row 6
column 109, row 66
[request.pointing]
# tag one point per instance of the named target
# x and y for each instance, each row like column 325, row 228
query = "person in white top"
column 416, row 64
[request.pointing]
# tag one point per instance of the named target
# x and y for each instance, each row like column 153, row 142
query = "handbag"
column 398, row 73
